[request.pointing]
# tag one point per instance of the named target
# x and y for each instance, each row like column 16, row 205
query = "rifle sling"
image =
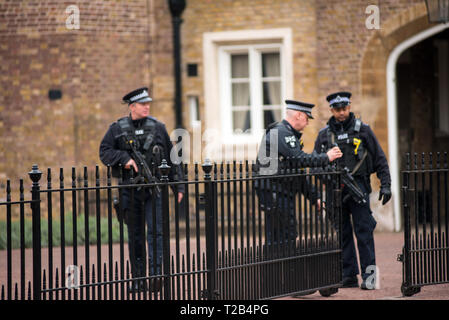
column 331, row 138
column 359, row 164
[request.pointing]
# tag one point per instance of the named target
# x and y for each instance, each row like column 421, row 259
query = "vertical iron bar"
column 35, row 176
column 438, row 240
column 241, row 279
column 446, row 211
column 228, row 205
column 121, row 231
column 61, row 228
column 8, row 241
column 211, row 244
column 197, row 230
column 22, row 241
column 247, row 200
column 164, row 168
column 86, row 232
column 98, row 216
column 50, row 233
column 177, row 239
column 417, row 214
column 337, row 199
column 405, row 202
column 155, row 240
column 424, row 207
column 110, row 240
column 222, row 212
column 432, row 244
column 187, row 217
column 234, row 197
column 75, row 230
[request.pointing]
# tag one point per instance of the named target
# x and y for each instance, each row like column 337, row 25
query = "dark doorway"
column 423, row 96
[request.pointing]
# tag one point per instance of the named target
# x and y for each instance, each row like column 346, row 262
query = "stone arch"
column 374, row 92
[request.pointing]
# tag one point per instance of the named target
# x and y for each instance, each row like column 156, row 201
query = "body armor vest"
column 355, row 153
column 144, row 138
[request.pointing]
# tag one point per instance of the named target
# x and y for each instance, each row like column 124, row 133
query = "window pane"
column 272, row 93
column 239, row 66
column 240, row 94
column 270, row 116
column 271, row 65
column 241, row 121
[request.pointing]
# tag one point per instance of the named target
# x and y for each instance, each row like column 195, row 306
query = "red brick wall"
column 122, row 45
column 94, row 67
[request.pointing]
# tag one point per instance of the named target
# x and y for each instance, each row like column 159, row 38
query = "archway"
column 392, row 94
column 378, row 86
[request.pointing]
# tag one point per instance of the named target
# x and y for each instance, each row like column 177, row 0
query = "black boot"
column 138, row 271
column 350, row 282
column 155, row 285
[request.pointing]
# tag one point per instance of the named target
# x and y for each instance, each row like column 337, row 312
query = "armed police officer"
column 282, row 142
column 362, row 156
column 136, row 145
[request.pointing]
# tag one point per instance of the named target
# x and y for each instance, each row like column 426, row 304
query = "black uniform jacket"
column 289, row 146
column 379, row 163
column 110, row 154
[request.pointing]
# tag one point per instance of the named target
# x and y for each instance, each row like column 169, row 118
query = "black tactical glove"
column 385, row 192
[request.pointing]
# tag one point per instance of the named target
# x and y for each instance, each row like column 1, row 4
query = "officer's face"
column 140, row 110
column 342, row 113
column 302, row 120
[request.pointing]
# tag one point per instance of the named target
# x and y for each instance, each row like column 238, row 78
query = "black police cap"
column 139, row 95
column 300, row 106
column 339, row 99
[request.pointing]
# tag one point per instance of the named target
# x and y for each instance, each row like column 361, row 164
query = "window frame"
column 214, row 113
column 255, row 79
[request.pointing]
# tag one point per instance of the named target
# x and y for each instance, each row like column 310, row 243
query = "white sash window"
column 252, row 89
column 247, row 77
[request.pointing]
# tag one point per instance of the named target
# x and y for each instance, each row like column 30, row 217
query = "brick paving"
column 388, row 246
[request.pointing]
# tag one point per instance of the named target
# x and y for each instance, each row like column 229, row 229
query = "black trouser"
column 363, row 225
column 280, row 219
column 139, row 206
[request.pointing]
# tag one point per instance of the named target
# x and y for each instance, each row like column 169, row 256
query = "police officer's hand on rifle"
column 385, row 193
column 131, row 163
column 334, row 153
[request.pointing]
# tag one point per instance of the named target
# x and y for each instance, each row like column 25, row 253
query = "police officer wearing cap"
column 282, row 141
column 362, row 155
column 150, row 138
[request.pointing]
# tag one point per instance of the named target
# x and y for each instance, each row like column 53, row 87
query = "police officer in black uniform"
column 149, row 136
column 282, row 141
column 362, row 155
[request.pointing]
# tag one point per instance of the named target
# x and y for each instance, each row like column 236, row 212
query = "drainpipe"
column 176, row 9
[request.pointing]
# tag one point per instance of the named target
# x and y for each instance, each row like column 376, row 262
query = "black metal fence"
column 218, row 242
column 425, row 197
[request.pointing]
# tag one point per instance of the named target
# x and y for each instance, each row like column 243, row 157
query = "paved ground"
column 388, row 246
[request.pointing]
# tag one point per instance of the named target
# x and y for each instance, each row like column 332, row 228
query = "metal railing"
column 223, row 241
column 425, row 199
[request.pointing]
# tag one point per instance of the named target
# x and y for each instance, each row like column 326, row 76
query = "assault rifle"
column 144, row 173
column 348, row 180
column 354, row 190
